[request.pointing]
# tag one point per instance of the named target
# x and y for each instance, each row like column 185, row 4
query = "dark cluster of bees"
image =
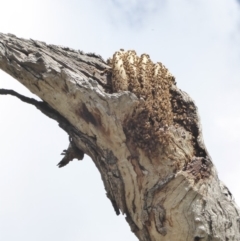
column 199, row 167
column 149, row 123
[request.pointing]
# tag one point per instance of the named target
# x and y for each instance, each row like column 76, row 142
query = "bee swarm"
column 148, row 125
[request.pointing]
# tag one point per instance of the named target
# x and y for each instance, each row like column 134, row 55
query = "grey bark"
column 166, row 185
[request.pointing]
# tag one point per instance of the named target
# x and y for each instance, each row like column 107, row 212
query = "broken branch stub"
column 141, row 131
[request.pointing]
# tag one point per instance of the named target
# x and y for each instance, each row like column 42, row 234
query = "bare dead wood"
column 141, row 131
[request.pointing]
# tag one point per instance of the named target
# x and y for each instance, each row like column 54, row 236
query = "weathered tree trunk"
column 141, row 131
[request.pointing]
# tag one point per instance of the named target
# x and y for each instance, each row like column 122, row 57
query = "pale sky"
column 199, row 41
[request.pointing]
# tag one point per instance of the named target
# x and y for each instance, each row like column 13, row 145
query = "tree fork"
column 141, row 131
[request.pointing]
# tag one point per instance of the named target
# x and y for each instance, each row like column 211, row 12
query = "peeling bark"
column 149, row 150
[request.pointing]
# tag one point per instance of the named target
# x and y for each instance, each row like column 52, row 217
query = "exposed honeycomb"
column 148, row 125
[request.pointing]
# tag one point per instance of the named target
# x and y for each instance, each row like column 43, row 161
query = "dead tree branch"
column 141, row 131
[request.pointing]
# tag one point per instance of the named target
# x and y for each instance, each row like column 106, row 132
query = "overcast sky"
column 199, row 41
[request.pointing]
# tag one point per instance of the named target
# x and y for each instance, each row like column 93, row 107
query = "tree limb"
column 72, row 152
column 141, row 131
